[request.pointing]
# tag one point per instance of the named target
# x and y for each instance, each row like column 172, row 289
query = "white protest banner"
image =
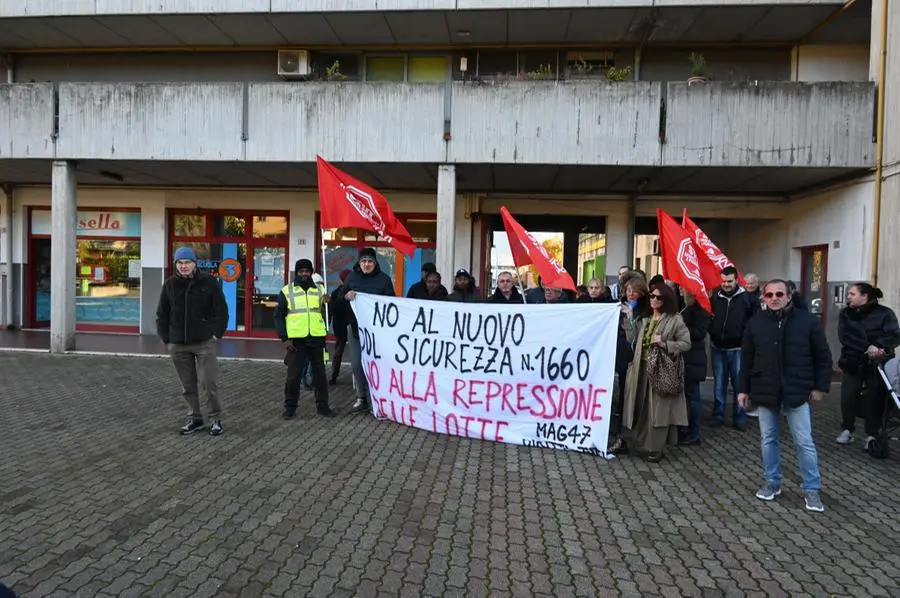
column 534, row 375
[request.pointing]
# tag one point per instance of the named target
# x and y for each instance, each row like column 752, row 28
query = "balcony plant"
column 614, row 75
column 698, row 68
column 333, row 72
column 542, row 73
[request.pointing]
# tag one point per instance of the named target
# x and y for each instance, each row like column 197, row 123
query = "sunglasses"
column 657, row 297
column 778, row 294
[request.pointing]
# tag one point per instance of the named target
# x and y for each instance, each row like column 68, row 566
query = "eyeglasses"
column 778, row 294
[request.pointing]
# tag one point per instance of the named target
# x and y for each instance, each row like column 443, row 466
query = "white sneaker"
column 754, row 413
column 845, row 437
column 869, row 440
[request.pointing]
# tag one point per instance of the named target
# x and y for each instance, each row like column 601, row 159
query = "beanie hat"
column 462, row 272
column 429, row 267
column 303, row 264
column 185, row 253
column 368, row 252
column 344, row 275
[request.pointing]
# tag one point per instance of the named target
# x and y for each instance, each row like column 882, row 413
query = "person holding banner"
column 506, row 291
column 300, row 324
column 366, row 277
column 654, row 387
column 464, row 290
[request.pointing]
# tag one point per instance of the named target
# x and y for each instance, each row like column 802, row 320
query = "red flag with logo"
column 527, row 251
column 347, row 202
column 712, row 260
column 679, row 258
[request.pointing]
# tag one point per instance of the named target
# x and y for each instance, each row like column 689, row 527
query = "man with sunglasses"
column 786, row 366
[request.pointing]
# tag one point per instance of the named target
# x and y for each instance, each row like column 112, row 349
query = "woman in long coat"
column 651, row 419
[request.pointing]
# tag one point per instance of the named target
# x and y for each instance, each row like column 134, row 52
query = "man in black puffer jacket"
column 785, row 366
column 191, row 315
column 366, row 277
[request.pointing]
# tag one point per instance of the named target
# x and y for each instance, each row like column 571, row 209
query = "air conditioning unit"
column 293, row 64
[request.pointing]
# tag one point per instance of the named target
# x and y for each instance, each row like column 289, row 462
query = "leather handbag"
column 665, row 372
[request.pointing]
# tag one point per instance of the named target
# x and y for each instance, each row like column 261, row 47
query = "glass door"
column 269, row 276
column 40, row 283
column 814, row 284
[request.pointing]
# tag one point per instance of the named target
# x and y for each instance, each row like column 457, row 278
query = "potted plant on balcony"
column 698, row 69
column 614, row 75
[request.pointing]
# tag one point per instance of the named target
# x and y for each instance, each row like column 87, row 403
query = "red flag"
column 712, row 260
column 347, row 202
column 679, row 258
column 526, row 250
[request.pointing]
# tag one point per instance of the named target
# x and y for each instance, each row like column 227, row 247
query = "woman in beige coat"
column 651, row 419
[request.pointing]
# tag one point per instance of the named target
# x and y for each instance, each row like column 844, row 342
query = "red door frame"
column 804, row 256
column 361, row 242
column 30, row 274
column 248, row 240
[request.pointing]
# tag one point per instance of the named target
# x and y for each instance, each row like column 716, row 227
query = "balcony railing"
column 517, row 122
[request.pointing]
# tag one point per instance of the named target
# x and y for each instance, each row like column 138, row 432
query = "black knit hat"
column 369, row 253
column 303, row 264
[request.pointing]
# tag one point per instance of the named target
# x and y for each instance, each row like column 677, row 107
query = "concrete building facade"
column 144, row 125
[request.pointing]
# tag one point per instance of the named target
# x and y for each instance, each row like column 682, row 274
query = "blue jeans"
column 800, row 423
column 694, row 404
column 727, row 365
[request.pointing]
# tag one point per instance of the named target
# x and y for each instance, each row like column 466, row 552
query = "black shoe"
column 216, row 428
column 288, row 414
column 332, row 382
column 740, row 427
column 307, row 387
column 689, row 441
column 192, row 426
column 654, row 457
column 360, row 406
column 325, row 411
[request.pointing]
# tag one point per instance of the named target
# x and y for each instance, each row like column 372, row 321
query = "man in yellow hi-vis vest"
column 300, row 323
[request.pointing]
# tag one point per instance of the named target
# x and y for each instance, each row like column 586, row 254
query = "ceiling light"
column 463, row 33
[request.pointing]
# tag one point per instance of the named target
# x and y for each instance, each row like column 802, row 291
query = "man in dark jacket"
column 464, row 288
column 506, row 291
column 697, row 321
column 732, row 309
column 190, row 317
column 786, row 366
column 432, row 290
column 366, row 277
column 340, row 320
column 300, row 324
column 417, row 290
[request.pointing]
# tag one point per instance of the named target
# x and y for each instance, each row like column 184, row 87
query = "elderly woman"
column 649, row 416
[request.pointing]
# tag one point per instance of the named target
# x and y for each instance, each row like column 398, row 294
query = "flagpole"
column 324, row 275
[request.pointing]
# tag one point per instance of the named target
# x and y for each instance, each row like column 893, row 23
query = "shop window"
column 108, row 282
column 190, row 225
column 270, row 227
column 341, row 234
column 385, row 68
column 422, row 231
column 427, row 69
column 229, row 226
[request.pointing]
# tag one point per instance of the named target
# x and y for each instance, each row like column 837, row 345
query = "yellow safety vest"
column 304, row 317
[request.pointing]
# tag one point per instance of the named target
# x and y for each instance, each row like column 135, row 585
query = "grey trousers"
column 359, row 377
column 198, row 370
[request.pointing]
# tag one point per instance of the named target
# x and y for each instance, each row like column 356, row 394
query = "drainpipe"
column 6, row 229
column 879, row 145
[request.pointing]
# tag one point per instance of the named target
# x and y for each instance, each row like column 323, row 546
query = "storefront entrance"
column 107, row 270
column 247, row 252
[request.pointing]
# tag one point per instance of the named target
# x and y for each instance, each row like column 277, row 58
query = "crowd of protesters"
column 762, row 341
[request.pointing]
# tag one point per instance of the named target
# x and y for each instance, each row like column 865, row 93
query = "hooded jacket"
column 860, row 327
column 374, row 283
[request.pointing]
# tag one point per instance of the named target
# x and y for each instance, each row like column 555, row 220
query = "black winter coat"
column 374, row 283
column 191, row 310
column 514, row 297
column 695, row 361
column 338, row 313
column 600, row 299
column 784, row 357
column 730, row 317
column 858, row 328
column 418, row 291
column 470, row 295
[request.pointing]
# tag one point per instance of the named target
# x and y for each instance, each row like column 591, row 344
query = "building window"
column 386, row 68
column 589, row 65
column 427, row 69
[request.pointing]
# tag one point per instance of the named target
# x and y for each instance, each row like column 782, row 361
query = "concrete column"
column 62, row 257
column 6, row 232
column 629, row 248
column 446, row 222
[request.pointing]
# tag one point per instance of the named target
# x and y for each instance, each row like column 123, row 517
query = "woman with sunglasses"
column 869, row 334
column 650, row 418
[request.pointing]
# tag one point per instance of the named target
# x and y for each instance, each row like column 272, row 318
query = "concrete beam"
column 62, row 257
column 446, row 222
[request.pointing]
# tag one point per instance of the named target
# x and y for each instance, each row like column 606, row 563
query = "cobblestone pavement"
column 101, row 497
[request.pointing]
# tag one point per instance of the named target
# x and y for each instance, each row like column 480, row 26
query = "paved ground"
column 99, row 496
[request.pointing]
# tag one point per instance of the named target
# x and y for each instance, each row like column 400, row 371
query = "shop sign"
column 93, row 223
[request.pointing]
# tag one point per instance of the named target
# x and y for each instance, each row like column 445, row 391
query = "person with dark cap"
column 368, row 278
column 190, row 317
column 300, row 324
column 340, row 320
column 464, row 290
column 419, row 290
